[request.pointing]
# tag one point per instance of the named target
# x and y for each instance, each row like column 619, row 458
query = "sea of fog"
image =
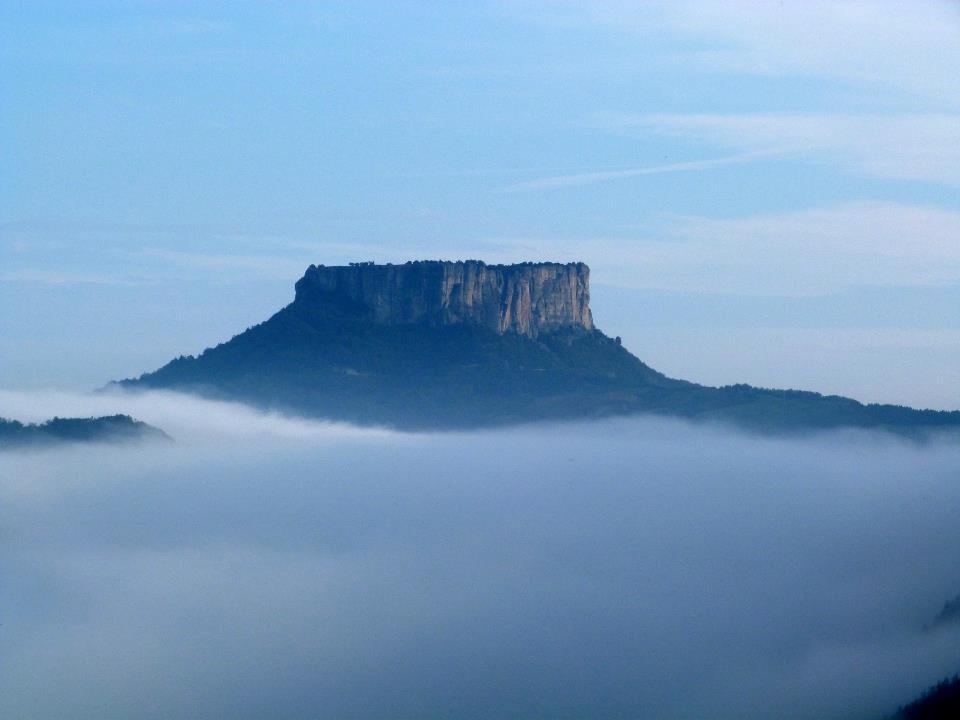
column 269, row 567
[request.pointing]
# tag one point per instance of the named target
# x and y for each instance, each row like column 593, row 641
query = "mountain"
column 435, row 344
column 111, row 428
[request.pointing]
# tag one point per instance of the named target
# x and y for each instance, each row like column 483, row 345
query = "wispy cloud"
column 907, row 147
column 911, row 47
column 579, row 179
column 807, row 252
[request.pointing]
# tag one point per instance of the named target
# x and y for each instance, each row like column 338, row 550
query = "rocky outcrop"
column 527, row 298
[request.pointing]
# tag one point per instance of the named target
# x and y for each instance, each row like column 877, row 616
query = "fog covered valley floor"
column 263, row 566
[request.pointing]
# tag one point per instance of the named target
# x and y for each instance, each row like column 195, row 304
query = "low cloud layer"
column 268, row 567
column 191, row 420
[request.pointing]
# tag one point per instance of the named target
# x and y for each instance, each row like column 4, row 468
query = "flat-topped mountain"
column 526, row 299
column 464, row 344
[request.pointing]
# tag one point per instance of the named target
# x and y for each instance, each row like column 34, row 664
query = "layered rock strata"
column 527, row 298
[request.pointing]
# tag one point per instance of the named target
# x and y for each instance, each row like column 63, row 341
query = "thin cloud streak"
column 918, row 147
column 577, row 180
column 795, row 254
column 908, row 48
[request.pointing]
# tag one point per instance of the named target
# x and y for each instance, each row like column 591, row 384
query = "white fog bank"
column 263, row 566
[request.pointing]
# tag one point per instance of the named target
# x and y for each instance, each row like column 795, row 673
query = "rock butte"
column 445, row 345
column 527, row 298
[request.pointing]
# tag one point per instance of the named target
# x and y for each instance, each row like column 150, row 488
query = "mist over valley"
column 263, row 565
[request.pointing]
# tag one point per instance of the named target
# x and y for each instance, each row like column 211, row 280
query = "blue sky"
column 766, row 192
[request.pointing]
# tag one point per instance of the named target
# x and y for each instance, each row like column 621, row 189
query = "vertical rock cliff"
column 527, row 298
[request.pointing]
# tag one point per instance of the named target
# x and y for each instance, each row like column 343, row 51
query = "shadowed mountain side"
column 941, row 702
column 327, row 355
column 112, row 428
column 416, row 376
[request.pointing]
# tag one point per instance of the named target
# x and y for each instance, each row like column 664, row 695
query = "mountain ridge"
column 398, row 345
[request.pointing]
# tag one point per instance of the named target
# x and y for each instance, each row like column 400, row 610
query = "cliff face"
column 527, row 299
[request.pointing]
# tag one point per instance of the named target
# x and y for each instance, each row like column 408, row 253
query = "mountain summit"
column 434, row 344
column 527, row 299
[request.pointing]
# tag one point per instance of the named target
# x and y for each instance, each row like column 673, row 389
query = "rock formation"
column 446, row 345
column 527, row 298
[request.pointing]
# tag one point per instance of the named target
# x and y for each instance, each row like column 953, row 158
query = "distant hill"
column 454, row 345
column 112, row 428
